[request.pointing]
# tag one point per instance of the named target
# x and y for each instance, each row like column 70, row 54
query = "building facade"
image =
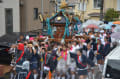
column 90, row 9
column 9, row 16
column 29, row 13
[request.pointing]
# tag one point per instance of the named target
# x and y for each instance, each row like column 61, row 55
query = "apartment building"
column 90, row 9
column 23, row 15
column 29, row 13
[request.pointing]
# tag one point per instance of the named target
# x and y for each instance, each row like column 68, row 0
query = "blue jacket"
column 106, row 49
column 84, row 61
column 101, row 49
column 91, row 55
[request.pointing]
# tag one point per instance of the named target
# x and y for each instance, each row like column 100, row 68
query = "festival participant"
column 106, row 47
column 48, row 62
column 84, row 31
column 35, row 42
column 74, row 38
column 75, row 46
column 40, row 35
column 72, row 65
column 93, row 44
column 81, row 61
column 20, row 56
column 90, row 56
column 53, row 61
column 83, row 44
column 109, row 37
column 102, row 36
column 31, row 55
column 99, row 54
column 21, row 39
column 90, row 53
column 34, row 60
column 63, row 62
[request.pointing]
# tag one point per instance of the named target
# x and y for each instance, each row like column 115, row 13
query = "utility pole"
column 42, row 6
column 101, row 10
column 41, row 73
column 56, row 6
column 55, row 2
column 42, row 12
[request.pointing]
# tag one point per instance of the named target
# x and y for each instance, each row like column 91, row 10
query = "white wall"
column 16, row 18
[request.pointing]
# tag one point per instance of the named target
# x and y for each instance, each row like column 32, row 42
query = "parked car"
column 112, row 65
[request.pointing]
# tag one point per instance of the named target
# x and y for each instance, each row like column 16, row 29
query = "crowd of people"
column 54, row 60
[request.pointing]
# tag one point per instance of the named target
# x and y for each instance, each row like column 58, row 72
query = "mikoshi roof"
column 59, row 18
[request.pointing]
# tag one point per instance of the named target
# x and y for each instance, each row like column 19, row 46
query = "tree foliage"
column 111, row 15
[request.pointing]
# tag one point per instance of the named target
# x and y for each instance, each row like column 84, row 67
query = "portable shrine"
column 58, row 27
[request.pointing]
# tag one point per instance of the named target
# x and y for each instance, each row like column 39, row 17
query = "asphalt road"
column 97, row 73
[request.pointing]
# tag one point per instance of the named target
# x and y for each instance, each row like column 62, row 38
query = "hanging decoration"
column 76, row 23
column 49, row 28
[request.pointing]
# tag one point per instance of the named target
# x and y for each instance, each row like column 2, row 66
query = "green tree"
column 111, row 15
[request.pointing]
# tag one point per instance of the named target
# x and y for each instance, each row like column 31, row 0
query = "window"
column 82, row 6
column 66, row 0
column 118, row 5
column 9, row 20
column 59, row 1
column 97, row 4
column 35, row 13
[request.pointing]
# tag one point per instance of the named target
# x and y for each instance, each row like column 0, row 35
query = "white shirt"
column 80, row 58
column 88, row 52
column 75, row 48
column 102, row 39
